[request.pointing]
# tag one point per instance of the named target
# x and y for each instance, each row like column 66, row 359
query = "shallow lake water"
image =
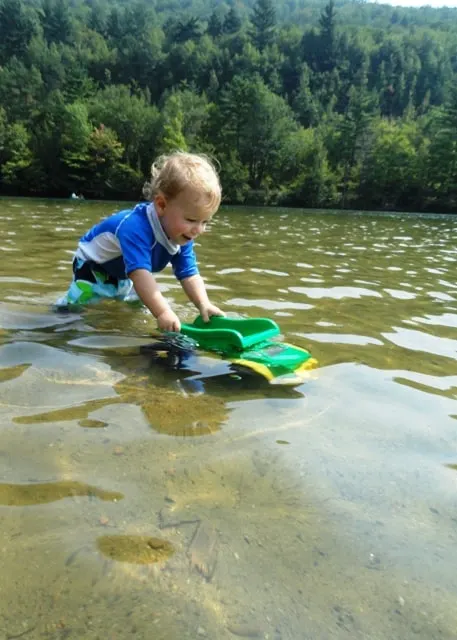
column 140, row 501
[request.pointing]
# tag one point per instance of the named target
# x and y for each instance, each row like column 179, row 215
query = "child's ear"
column 160, row 203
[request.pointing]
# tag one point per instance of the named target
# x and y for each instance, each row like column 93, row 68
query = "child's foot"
column 63, row 306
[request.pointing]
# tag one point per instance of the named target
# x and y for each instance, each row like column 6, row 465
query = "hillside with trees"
column 343, row 105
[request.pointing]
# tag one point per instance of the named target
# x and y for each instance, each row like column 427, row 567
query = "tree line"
column 348, row 105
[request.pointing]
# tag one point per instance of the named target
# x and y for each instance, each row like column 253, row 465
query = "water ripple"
column 420, row 341
column 337, row 293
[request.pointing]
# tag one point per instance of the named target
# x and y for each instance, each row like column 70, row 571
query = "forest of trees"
column 343, row 105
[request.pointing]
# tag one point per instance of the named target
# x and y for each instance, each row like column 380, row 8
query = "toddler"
column 130, row 246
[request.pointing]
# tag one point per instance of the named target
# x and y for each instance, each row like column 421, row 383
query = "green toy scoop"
column 248, row 343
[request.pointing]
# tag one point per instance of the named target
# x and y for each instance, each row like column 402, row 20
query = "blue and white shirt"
column 134, row 239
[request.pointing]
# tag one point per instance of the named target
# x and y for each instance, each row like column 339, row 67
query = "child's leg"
column 79, row 292
column 125, row 290
column 90, row 284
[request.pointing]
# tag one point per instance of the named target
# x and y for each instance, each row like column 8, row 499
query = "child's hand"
column 168, row 321
column 207, row 310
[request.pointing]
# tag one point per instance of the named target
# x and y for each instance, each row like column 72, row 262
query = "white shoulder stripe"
column 102, row 248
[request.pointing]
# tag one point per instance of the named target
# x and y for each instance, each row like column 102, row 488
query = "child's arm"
column 195, row 290
column 147, row 289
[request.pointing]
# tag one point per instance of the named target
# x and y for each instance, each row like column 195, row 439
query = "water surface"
column 147, row 502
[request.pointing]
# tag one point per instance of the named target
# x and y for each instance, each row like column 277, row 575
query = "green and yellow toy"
column 247, row 343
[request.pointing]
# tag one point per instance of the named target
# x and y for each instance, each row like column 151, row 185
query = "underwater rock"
column 135, row 549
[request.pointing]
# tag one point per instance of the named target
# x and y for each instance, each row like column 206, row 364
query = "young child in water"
column 130, row 246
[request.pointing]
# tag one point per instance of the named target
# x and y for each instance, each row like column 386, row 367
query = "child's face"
column 183, row 218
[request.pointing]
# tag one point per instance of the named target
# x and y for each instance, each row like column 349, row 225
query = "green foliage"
column 253, row 121
column 390, row 174
column 234, row 176
column 349, row 138
column 15, row 154
column 128, row 114
column 442, row 159
column 21, row 89
column 99, row 166
column 173, row 137
column 310, row 103
column 305, row 172
column 191, row 112
column 75, row 143
column 13, row 170
column 304, row 103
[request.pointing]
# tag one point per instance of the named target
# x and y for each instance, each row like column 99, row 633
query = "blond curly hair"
column 172, row 173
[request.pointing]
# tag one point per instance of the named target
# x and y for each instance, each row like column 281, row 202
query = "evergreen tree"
column 442, row 169
column 328, row 38
column 214, row 28
column 263, row 19
column 190, row 29
column 353, row 135
column 115, row 26
column 232, row 22
column 17, row 26
column 56, row 21
column 213, row 85
column 304, row 103
column 98, row 18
